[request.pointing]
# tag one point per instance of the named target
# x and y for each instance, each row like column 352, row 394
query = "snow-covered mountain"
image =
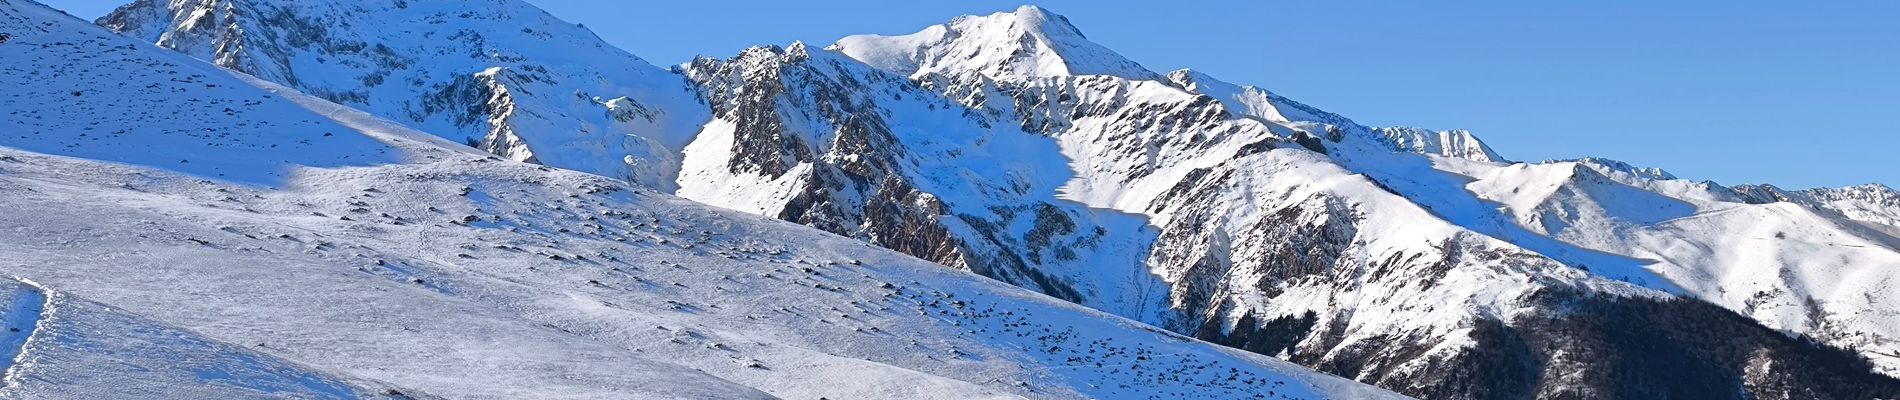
column 1010, row 145
column 501, row 75
column 1292, row 231
column 1819, row 263
column 231, row 238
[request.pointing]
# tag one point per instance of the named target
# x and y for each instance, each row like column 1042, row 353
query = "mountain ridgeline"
column 1010, row 145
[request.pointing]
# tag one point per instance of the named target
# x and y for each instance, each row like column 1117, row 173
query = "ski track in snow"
column 24, row 313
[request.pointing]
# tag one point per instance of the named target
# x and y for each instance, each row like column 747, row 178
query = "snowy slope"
column 441, row 271
column 38, row 116
column 500, row 73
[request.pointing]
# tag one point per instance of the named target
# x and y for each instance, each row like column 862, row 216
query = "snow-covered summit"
column 1455, row 143
column 1609, row 166
column 1028, row 43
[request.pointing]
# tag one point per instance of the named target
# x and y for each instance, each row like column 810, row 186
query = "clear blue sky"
column 1797, row 94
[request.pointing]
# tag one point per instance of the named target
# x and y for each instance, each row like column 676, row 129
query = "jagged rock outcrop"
column 822, row 140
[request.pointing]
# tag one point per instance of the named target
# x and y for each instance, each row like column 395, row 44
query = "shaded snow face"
column 62, row 346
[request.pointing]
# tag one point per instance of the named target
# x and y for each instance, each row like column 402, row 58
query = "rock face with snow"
column 501, row 75
column 1875, row 206
column 1009, row 145
column 1254, row 102
column 820, row 139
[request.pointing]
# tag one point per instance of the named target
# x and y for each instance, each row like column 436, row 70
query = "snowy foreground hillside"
column 173, row 230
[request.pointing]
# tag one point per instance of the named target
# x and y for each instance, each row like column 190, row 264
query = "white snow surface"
column 340, row 255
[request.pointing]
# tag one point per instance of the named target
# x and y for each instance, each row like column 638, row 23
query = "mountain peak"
column 1027, row 43
column 1607, row 166
column 1872, row 192
column 1036, row 19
